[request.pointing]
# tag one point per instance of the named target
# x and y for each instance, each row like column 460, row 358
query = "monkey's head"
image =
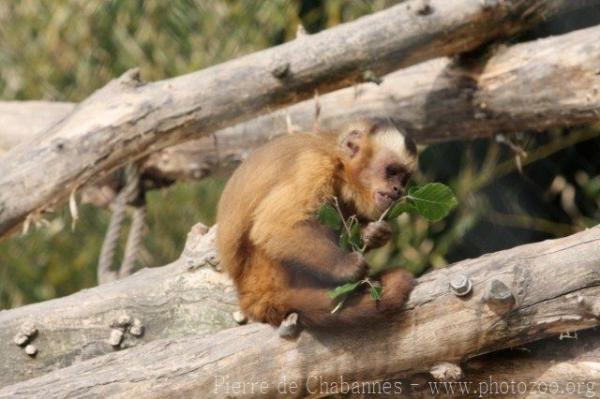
column 377, row 160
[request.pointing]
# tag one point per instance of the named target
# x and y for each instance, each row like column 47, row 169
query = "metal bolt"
column 21, row 339
column 137, row 328
column 499, row 297
column 498, row 292
column 29, row 329
column 460, row 285
column 116, row 336
column 30, row 350
column 124, row 320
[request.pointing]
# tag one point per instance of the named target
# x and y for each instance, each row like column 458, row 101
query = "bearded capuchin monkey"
column 281, row 259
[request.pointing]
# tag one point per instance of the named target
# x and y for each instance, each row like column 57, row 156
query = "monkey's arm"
column 311, row 247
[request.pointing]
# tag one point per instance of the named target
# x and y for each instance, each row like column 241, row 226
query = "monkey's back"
column 288, row 163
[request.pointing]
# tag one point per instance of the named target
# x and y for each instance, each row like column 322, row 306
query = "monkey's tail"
column 314, row 305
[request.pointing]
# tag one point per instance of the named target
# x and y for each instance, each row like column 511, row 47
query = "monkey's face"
column 389, row 175
column 380, row 161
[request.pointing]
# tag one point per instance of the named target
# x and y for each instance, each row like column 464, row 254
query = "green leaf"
column 399, row 208
column 351, row 241
column 376, row 292
column 328, row 216
column 433, row 201
column 345, row 241
column 343, row 289
column 355, row 238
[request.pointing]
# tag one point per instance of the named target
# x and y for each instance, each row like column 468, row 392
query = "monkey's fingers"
column 354, row 267
column 376, row 234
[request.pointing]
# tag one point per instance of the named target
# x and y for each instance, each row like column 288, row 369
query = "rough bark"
column 554, row 286
column 519, row 88
column 172, row 301
column 559, row 366
column 126, row 119
column 549, row 368
column 21, row 120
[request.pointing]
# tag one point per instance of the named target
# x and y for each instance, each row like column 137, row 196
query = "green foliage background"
column 62, row 50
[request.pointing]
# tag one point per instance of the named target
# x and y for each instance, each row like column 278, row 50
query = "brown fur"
column 280, row 258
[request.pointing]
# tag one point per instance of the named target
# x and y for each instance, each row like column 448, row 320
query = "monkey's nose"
column 397, row 192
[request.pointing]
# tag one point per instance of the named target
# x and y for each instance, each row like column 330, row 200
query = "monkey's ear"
column 350, row 143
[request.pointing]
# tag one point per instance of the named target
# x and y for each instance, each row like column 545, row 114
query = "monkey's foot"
column 289, row 327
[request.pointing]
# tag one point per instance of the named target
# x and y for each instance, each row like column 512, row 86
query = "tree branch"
column 553, row 286
column 519, row 88
column 127, row 119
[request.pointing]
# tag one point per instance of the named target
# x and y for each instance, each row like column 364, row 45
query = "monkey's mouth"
column 383, row 199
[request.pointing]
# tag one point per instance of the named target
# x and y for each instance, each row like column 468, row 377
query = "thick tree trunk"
column 127, row 119
column 551, row 287
column 519, row 88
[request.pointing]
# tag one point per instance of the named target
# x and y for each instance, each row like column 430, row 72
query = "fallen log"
column 172, row 301
column 127, row 119
column 519, row 295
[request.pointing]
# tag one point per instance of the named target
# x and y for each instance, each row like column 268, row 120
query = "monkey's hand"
column 376, row 234
column 352, row 267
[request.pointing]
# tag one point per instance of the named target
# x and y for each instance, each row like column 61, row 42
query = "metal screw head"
column 29, row 329
column 21, row 339
column 30, row 350
column 460, row 285
column 124, row 320
column 137, row 328
column 499, row 292
column 115, row 338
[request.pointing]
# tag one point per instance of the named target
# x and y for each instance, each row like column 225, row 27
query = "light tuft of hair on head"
column 390, row 137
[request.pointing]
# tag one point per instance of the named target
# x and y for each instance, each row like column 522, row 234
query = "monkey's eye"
column 405, row 179
column 392, row 171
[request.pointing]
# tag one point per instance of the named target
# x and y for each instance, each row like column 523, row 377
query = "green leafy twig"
column 381, row 218
column 433, row 201
column 350, row 238
column 344, row 290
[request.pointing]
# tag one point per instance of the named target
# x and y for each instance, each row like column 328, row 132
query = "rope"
column 109, row 246
column 134, row 241
column 130, row 193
